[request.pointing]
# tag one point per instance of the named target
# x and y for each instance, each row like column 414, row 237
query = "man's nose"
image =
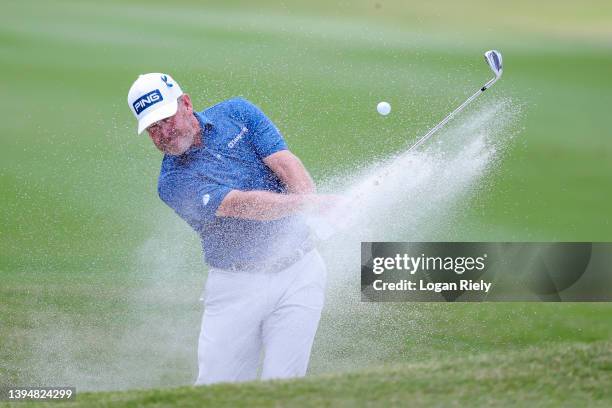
column 166, row 129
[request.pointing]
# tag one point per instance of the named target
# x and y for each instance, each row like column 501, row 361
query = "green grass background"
column 574, row 375
column 81, row 220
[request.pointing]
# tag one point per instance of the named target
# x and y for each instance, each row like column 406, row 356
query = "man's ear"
column 186, row 101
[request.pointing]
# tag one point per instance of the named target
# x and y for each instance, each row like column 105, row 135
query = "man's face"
column 176, row 134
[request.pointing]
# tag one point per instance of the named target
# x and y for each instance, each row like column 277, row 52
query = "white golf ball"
column 383, row 108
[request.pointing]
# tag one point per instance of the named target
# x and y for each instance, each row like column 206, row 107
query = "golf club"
column 324, row 229
column 494, row 60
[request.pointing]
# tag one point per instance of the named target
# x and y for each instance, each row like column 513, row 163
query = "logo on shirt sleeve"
column 205, row 199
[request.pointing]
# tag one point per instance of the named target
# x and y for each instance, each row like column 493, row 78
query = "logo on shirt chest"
column 238, row 137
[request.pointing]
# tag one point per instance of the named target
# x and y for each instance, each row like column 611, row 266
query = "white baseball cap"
column 153, row 97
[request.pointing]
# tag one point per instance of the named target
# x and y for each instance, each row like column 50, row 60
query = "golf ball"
column 383, row 108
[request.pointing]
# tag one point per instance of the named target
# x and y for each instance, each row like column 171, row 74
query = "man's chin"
column 175, row 150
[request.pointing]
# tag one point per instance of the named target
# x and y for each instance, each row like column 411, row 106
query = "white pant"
column 247, row 312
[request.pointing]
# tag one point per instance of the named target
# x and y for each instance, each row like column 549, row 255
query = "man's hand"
column 327, row 215
column 326, row 204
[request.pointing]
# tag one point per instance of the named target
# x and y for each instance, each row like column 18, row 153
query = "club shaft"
column 451, row 115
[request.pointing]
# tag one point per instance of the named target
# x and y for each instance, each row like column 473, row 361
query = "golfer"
column 228, row 173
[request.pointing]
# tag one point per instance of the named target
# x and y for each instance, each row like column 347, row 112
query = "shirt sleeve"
column 266, row 137
column 193, row 199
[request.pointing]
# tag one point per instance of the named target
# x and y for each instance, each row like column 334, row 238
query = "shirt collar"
column 204, row 120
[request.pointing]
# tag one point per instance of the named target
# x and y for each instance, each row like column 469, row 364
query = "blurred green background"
column 78, row 185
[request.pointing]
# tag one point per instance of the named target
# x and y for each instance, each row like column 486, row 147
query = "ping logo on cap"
column 147, row 100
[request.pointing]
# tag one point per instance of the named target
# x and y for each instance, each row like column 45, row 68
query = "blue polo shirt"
column 236, row 137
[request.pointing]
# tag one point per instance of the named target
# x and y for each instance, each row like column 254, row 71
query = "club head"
column 494, row 59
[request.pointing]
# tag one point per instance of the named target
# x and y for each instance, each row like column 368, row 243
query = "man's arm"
column 265, row 205
column 290, row 170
